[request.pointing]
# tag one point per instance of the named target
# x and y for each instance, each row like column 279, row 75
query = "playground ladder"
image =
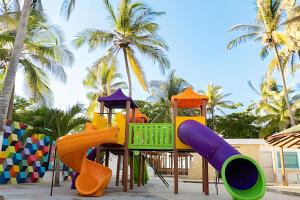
column 156, row 171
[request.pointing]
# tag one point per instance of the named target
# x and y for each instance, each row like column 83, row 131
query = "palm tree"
column 102, row 79
column 56, row 123
column 162, row 91
column 267, row 31
column 44, row 53
column 273, row 115
column 265, row 87
column 133, row 30
column 9, row 79
column 216, row 101
column 291, row 50
column 287, row 58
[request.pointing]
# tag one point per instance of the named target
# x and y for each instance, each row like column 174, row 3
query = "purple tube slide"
column 242, row 176
column 206, row 142
column 241, row 173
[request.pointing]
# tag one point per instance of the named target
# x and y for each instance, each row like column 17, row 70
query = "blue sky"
column 197, row 34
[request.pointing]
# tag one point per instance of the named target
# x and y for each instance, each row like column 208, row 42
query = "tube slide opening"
column 243, row 178
column 241, row 174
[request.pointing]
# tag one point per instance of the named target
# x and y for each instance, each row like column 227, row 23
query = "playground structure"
column 242, row 176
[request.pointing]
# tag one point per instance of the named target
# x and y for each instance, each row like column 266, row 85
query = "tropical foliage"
column 9, row 79
column 272, row 112
column 102, row 80
column 150, row 109
column 289, row 53
column 55, row 123
column 133, row 31
column 37, row 50
column 236, row 125
column 44, row 53
column 271, row 16
column 22, row 105
column 217, row 101
column 162, row 91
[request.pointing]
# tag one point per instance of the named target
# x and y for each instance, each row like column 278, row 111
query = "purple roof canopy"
column 117, row 100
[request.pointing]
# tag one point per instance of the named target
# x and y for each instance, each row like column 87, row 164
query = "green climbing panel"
column 151, row 136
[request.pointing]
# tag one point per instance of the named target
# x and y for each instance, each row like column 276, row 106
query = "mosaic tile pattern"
column 23, row 158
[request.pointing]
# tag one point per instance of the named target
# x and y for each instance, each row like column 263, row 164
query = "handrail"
column 151, row 136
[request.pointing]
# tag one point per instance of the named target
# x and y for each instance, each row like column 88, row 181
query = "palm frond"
column 93, row 38
column 280, row 38
column 246, row 27
column 37, row 83
column 163, row 90
column 264, row 52
column 37, row 6
column 291, row 21
column 8, row 22
column 156, row 54
column 67, row 7
column 54, row 68
column 137, row 69
column 118, row 85
column 110, row 10
column 217, row 99
column 151, row 40
column 93, row 104
column 242, row 39
column 253, row 88
column 283, row 59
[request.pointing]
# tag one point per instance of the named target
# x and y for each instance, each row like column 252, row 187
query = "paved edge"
column 283, row 192
column 198, row 181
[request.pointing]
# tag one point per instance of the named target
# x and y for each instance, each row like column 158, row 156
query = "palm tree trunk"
column 11, row 105
column 127, row 71
column 57, row 172
column 285, row 91
column 9, row 79
column 213, row 118
column 171, row 110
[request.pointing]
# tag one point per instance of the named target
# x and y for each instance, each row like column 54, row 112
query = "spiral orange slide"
column 72, row 150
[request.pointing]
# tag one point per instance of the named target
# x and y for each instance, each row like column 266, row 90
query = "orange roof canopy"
column 189, row 99
column 139, row 117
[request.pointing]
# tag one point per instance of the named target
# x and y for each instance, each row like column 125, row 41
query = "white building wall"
column 267, row 149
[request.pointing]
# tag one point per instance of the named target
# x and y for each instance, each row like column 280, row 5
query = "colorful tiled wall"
column 23, row 159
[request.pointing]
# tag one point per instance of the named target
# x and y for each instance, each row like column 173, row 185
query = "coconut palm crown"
column 273, row 114
column 44, row 53
column 268, row 31
column 162, row 92
column 102, row 79
column 133, row 31
column 217, row 101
